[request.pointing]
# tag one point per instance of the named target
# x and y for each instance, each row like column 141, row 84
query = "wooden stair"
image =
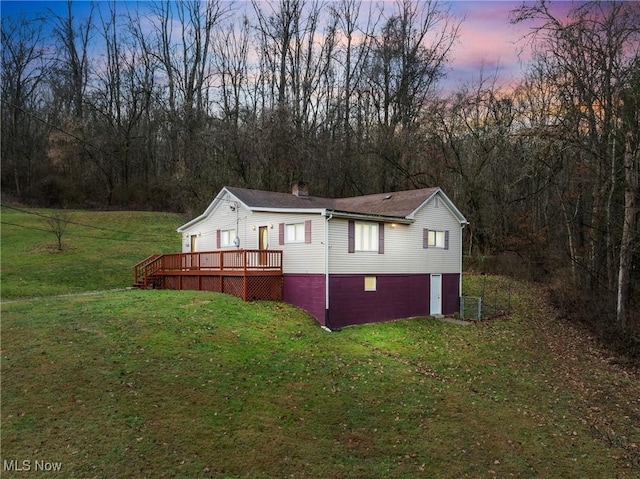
column 147, row 282
column 145, row 277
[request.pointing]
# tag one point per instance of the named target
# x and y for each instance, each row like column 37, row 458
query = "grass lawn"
column 194, row 384
column 97, row 256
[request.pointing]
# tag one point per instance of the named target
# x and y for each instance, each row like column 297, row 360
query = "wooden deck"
column 248, row 274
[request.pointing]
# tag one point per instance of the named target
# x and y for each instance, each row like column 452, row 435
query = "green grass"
column 192, row 384
column 92, row 259
column 188, row 384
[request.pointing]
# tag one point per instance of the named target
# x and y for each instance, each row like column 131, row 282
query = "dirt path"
column 67, row 295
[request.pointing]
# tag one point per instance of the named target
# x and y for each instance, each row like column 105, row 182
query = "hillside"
column 193, row 384
column 99, row 249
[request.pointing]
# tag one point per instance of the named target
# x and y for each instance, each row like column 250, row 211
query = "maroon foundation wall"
column 396, row 297
column 450, row 293
column 307, row 291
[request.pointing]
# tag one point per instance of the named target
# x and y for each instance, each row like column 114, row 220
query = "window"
column 294, row 233
column 227, row 237
column 366, row 238
column 435, row 239
column 370, row 283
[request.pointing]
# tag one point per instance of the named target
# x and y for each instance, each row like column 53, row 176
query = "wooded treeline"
column 157, row 106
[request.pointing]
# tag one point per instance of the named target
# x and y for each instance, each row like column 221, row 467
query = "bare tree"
column 185, row 58
column 590, row 59
column 474, row 128
column 72, row 66
column 237, row 102
column 57, row 223
column 24, row 69
column 631, row 166
column 407, row 60
column 293, row 63
column 354, row 27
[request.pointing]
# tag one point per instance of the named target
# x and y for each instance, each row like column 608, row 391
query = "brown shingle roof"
column 399, row 204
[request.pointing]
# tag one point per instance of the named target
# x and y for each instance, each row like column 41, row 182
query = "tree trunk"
column 627, row 244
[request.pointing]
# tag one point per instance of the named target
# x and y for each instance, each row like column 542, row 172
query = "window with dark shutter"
column 352, row 236
column 435, row 239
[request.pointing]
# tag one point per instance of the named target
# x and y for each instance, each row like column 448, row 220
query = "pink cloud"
column 490, row 44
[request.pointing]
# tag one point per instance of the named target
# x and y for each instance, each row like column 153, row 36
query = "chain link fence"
column 471, row 308
column 485, row 297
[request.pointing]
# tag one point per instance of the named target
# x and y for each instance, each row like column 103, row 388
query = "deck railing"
column 146, row 268
column 242, row 260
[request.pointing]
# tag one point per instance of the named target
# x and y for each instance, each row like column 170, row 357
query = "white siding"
column 228, row 214
column 297, row 257
column 403, row 246
column 440, row 218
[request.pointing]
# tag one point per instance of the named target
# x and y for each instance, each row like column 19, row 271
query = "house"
column 345, row 261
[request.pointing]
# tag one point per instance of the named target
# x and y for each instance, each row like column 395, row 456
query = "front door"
column 436, row 294
column 263, row 243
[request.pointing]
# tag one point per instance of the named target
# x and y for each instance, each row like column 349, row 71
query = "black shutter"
column 352, row 236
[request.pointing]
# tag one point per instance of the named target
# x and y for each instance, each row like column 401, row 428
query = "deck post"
column 244, row 276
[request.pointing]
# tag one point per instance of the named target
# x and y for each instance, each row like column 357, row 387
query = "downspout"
column 327, row 323
column 461, row 255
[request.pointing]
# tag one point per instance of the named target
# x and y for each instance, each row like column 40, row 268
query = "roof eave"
column 268, row 209
column 186, row 226
column 335, row 213
column 219, row 197
column 370, row 217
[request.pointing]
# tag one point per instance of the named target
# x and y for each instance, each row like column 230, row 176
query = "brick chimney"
column 300, row 189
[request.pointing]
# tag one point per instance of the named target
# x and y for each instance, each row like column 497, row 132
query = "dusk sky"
column 488, row 41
